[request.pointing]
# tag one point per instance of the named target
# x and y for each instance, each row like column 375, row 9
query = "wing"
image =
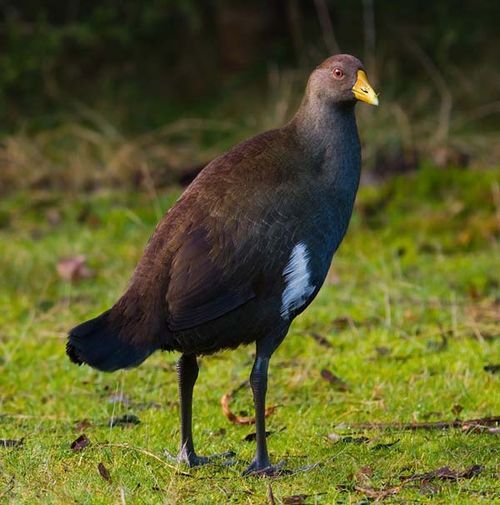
column 200, row 287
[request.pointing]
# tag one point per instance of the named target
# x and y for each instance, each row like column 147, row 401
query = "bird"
column 243, row 251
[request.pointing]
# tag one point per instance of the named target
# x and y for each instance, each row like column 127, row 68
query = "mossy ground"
column 410, row 309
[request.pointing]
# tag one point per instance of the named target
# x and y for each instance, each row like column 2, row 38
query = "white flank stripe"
column 298, row 287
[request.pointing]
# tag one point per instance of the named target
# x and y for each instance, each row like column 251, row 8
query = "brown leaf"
column 383, row 350
column 426, row 488
column 478, row 428
column 336, row 382
column 103, row 471
column 470, row 472
column 341, row 323
column 252, row 436
column 439, row 345
column 82, row 425
column 446, row 473
column 321, row 340
column 456, row 409
column 80, row 443
column 74, row 268
column 53, row 216
column 231, row 416
column 362, row 476
column 296, row 499
column 379, row 494
column 434, row 425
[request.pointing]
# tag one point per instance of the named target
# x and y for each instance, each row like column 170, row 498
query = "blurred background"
column 108, row 93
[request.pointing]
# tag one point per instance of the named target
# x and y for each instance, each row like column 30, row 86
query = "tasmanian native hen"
column 244, row 250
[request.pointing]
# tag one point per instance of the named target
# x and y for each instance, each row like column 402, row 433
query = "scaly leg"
column 187, row 373
column 258, row 381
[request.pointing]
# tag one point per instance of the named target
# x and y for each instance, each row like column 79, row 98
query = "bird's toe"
column 192, row 460
column 266, row 470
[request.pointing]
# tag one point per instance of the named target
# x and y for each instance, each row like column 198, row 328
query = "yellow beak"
column 363, row 91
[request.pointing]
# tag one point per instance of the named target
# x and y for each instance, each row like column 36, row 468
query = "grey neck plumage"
column 329, row 136
column 331, row 150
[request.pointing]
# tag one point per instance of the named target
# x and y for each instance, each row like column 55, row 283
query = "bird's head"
column 341, row 79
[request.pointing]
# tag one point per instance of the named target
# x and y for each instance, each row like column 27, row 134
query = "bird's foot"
column 265, row 469
column 191, row 459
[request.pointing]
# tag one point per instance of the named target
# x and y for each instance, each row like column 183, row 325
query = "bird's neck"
column 331, row 160
column 329, row 138
column 326, row 128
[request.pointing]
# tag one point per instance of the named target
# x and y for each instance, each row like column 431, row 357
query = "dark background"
column 133, row 67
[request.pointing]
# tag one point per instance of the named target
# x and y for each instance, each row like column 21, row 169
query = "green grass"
column 410, row 309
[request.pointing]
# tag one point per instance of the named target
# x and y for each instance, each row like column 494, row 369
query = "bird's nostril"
column 364, row 90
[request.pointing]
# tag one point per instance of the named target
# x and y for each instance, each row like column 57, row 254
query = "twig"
column 231, row 416
column 270, row 495
column 370, row 38
column 436, row 425
column 442, row 131
column 326, row 26
column 141, row 451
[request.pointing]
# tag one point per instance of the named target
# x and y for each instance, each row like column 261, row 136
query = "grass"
column 410, row 309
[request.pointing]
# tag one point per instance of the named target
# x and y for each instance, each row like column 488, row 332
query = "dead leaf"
column 103, row 471
column 383, row 350
column 231, row 416
column 74, row 268
column 53, row 216
column 296, row 499
column 379, row 494
column 82, row 425
column 341, row 323
column 321, row 340
column 426, row 488
column 363, row 476
column 80, row 443
column 6, row 442
column 446, row 473
column 337, row 382
column 124, row 420
column 478, row 428
column 456, row 409
column 439, row 345
column 252, row 436
column 434, row 425
column 443, row 473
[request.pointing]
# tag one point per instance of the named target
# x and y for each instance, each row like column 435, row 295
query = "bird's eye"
column 338, row 73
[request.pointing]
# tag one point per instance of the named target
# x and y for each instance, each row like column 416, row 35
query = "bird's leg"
column 187, row 373
column 258, row 382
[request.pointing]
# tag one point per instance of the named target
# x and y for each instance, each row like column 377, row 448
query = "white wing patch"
column 298, row 287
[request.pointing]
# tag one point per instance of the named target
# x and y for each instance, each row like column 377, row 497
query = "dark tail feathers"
column 99, row 345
